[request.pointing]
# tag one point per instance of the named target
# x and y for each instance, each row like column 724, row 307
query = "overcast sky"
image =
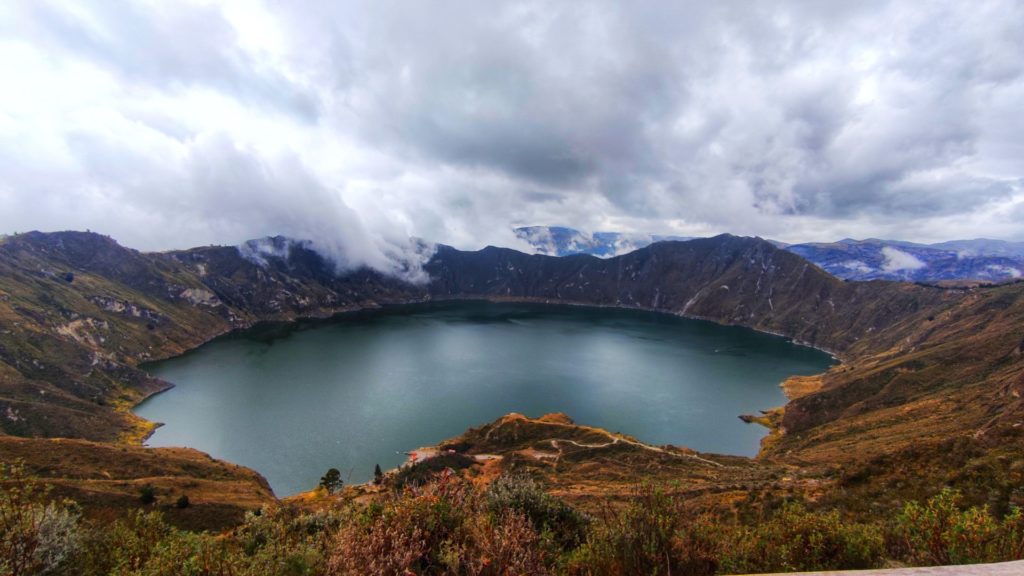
column 172, row 124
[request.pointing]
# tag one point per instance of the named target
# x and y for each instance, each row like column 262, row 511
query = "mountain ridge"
column 80, row 313
column 850, row 259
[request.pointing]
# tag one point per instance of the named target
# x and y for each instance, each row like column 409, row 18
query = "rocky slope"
column 923, row 366
column 79, row 313
column 727, row 279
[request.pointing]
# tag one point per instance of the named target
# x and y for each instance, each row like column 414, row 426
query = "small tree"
column 331, row 481
column 147, row 494
column 182, row 501
column 378, row 476
column 19, row 525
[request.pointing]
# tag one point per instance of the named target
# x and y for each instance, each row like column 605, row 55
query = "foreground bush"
column 941, row 532
column 142, row 544
column 560, row 524
column 446, row 525
column 440, row 528
column 797, row 540
column 36, row 537
column 654, row 536
column 645, row 538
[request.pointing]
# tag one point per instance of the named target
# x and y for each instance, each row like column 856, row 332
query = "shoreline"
column 292, row 321
column 231, row 331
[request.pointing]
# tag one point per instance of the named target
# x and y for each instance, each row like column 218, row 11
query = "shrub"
column 1010, row 545
column 35, row 537
column 182, row 501
column 48, row 538
column 142, row 544
column 125, row 546
column 796, row 539
column 439, row 527
column 506, row 545
column 182, row 553
column 548, row 515
column 147, row 495
column 59, row 536
column 637, row 540
column 653, row 535
column 939, row 532
column 281, row 541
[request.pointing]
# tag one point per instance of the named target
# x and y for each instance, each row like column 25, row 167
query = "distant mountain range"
column 871, row 259
column 562, row 241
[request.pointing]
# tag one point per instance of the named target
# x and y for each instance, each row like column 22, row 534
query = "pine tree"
column 378, row 476
column 331, row 481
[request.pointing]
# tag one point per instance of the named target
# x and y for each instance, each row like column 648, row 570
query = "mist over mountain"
column 563, row 241
column 369, row 122
column 871, row 259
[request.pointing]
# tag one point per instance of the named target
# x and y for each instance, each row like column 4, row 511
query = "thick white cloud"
column 357, row 124
column 896, row 260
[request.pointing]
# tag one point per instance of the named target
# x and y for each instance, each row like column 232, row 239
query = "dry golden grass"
column 107, row 479
column 798, row 386
column 592, row 468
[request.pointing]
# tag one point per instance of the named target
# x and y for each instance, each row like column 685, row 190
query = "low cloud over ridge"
column 359, row 124
column 896, row 259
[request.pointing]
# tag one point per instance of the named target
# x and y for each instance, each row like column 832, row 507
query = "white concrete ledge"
column 1000, row 569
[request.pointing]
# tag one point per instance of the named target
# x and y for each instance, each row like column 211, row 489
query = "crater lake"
column 292, row 400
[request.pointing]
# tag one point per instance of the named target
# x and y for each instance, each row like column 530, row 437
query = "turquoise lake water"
column 293, row 400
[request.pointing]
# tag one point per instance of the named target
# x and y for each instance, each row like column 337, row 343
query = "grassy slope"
column 68, row 348
column 107, row 478
column 941, row 406
column 78, row 313
column 591, row 467
column 957, row 370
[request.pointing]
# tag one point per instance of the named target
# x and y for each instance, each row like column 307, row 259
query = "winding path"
column 618, row 439
column 613, row 439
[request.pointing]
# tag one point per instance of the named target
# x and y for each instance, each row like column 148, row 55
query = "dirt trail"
column 617, row 440
column 613, row 439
